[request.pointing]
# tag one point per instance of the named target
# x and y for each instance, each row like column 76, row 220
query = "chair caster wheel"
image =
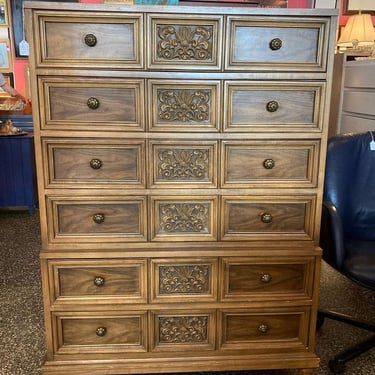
column 319, row 321
column 336, row 366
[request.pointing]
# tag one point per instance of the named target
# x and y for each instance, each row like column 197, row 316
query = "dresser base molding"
column 305, row 362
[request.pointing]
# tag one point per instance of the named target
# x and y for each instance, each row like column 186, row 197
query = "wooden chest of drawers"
column 180, row 157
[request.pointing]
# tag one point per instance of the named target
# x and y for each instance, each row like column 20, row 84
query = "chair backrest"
column 350, row 182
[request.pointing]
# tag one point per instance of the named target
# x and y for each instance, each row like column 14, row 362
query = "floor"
column 21, row 319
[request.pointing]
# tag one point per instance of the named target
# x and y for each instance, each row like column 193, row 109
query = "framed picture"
column 6, row 62
column 354, row 6
column 9, row 78
column 17, row 22
column 3, row 13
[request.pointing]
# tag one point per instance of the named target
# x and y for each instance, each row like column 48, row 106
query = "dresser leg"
column 305, row 371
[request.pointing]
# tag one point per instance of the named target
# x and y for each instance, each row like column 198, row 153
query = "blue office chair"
column 348, row 225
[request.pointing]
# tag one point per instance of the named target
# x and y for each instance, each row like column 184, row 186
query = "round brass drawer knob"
column 99, row 281
column 266, row 278
column 269, row 163
column 93, row 103
column 276, row 44
column 266, row 218
column 98, row 218
column 263, row 328
column 90, row 40
column 96, row 163
column 101, row 331
column 272, row 106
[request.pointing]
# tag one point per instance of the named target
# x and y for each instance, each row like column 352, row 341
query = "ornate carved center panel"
column 183, row 329
column 184, row 42
column 183, row 164
column 184, row 217
column 184, row 279
column 184, row 105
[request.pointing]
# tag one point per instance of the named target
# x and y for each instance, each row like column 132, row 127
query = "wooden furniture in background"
column 352, row 106
column 180, row 155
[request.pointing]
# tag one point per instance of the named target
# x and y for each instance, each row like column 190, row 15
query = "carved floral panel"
column 184, row 279
column 183, row 164
column 184, row 217
column 183, row 329
column 184, row 105
column 184, row 42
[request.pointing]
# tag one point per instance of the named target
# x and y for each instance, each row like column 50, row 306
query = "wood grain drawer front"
column 279, row 328
column 182, row 42
column 272, row 106
column 359, row 76
column 101, row 332
column 362, row 124
column 268, row 218
column 278, row 44
column 94, row 163
column 183, row 330
column 184, row 280
column 190, row 163
column 267, row 279
column 192, row 106
column 78, row 39
column 98, row 281
column 84, row 220
column 184, row 218
column 359, row 102
column 101, row 104
column 284, row 163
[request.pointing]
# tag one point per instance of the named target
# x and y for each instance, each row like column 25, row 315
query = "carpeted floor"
column 21, row 320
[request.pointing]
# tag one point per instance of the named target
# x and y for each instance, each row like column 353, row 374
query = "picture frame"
column 4, row 20
column 350, row 7
column 6, row 61
column 10, row 79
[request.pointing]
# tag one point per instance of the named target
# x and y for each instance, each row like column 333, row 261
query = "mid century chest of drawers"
column 180, row 154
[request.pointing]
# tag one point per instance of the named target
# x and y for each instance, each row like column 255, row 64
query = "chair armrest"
column 332, row 235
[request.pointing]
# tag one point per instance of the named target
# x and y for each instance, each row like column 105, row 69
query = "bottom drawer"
column 100, row 332
column 276, row 328
column 175, row 330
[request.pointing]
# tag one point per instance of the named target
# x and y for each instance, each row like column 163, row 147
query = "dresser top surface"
column 169, row 9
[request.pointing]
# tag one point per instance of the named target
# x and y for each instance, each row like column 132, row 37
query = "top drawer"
column 82, row 40
column 277, row 43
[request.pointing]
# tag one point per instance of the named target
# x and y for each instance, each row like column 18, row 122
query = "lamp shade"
column 359, row 29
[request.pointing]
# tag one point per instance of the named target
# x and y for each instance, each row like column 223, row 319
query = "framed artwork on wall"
column 10, row 80
column 3, row 13
column 6, row 62
column 354, row 6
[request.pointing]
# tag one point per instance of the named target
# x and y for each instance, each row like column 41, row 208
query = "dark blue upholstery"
column 348, row 223
column 350, row 183
column 347, row 234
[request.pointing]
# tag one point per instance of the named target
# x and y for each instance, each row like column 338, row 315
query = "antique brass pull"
column 99, row 281
column 101, row 331
column 269, row 163
column 276, row 44
column 266, row 217
column 263, row 328
column 98, row 218
column 90, row 40
column 272, row 106
column 93, row 103
column 96, row 163
column 266, row 278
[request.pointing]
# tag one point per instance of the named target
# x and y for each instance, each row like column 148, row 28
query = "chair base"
column 337, row 363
